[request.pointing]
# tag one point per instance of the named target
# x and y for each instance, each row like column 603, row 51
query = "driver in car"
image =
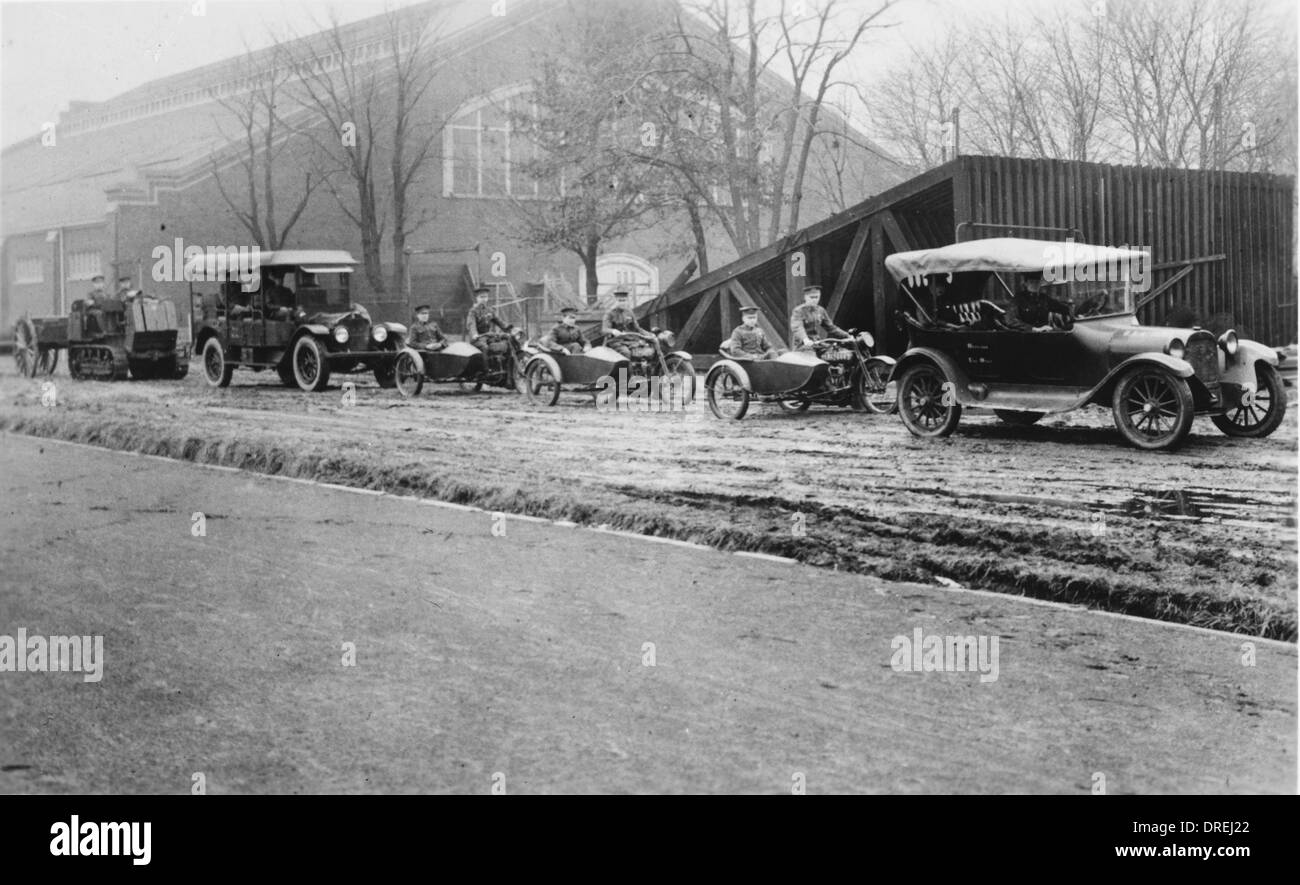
column 810, row 321
column 748, row 342
column 1032, row 310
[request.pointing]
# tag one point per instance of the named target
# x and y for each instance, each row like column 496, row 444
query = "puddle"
column 1206, row 505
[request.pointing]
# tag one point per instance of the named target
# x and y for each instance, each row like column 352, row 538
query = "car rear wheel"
column 727, row 395
column 926, row 402
column 408, row 373
column 1260, row 413
column 1153, row 408
column 310, row 368
column 216, row 368
column 540, row 384
column 1019, row 419
column 873, row 391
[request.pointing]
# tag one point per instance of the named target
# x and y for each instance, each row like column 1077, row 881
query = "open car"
column 967, row 351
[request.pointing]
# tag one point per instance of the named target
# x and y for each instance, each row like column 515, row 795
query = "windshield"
column 1094, row 298
column 316, row 292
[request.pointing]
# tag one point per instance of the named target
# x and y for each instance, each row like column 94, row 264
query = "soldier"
column 1033, row 311
column 810, row 321
column 748, row 342
column 565, row 335
column 425, row 334
column 124, row 290
column 482, row 318
column 96, row 290
column 620, row 320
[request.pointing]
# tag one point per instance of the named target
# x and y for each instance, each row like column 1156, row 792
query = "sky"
column 53, row 52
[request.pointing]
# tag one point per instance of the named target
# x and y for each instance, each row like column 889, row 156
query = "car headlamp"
column 379, row 333
column 1228, row 341
column 341, row 334
column 1176, row 349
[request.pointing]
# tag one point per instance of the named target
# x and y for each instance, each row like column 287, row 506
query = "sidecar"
column 457, row 362
column 548, row 372
column 790, row 380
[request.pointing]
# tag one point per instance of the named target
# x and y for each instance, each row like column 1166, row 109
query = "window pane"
column 464, row 161
column 495, row 117
column 494, row 162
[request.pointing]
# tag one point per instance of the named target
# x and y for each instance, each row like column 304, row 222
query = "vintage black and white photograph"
column 508, row 397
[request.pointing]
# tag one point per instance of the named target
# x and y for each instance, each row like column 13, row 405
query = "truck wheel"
column 926, row 402
column 1153, row 408
column 310, row 369
column 1263, row 413
column 216, row 368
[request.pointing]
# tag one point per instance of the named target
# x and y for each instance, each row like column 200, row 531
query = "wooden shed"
column 1223, row 246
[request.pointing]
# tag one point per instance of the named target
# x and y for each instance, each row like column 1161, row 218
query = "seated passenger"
column 748, row 342
column 1033, row 311
column 425, row 334
column 565, row 335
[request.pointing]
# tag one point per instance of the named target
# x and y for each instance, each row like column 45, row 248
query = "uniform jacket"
column 562, row 335
column 748, row 342
column 808, row 322
column 480, row 321
column 426, row 335
column 618, row 320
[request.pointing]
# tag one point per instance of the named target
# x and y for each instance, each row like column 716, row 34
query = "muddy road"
column 1063, row 510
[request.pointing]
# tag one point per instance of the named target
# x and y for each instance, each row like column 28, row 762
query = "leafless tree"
column 262, row 138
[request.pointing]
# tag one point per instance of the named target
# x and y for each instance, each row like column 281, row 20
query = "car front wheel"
column 216, row 368
column 927, row 403
column 310, row 368
column 1260, row 413
column 1153, row 408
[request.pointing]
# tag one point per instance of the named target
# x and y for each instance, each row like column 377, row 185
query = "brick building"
column 121, row 178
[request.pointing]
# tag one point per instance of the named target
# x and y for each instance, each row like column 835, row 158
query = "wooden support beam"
column 895, row 231
column 849, row 268
column 1160, row 290
column 728, row 322
column 655, row 311
column 746, row 299
column 880, row 310
column 697, row 316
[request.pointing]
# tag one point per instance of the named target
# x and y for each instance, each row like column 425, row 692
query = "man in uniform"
column 620, row 320
column 810, row 321
column 565, row 335
column 482, row 319
column 748, row 342
column 1033, row 311
column 124, row 290
column 424, row 333
column 97, row 292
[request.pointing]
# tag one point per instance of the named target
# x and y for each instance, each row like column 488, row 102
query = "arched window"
column 483, row 152
column 624, row 270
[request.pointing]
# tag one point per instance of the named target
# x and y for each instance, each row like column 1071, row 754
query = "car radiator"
column 1203, row 354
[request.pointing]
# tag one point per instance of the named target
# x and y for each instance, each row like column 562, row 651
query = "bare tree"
column 262, row 139
column 369, row 94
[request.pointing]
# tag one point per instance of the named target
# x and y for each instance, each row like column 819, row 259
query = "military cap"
column 125, row 279
column 745, row 310
column 810, row 289
column 621, row 293
column 482, row 290
column 98, row 276
column 564, row 311
column 422, row 307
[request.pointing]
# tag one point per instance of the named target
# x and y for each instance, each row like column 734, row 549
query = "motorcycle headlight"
column 1228, row 341
column 865, row 338
column 379, row 333
column 1176, row 349
column 667, row 339
column 341, row 334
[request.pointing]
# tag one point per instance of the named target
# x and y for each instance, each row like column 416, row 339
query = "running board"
column 1025, row 397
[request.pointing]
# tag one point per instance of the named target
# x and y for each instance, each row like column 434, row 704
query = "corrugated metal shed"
column 1180, row 215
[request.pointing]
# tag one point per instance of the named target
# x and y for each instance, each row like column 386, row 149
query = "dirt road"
column 1064, row 510
column 553, row 659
